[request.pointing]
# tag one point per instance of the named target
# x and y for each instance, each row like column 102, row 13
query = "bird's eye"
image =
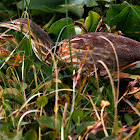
column 14, row 23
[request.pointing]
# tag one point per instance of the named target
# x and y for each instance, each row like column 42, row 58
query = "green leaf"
column 76, row 9
column 6, row 127
column 75, row 1
column 11, row 91
column 91, row 21
column 61, row 26
column 113, row 11
column 41, row 101
column 13, row 94
column 18, row 136
column 51, row 135
column 126, row 19
column 90, row 3
column 77, row 115
column 49, row 6
column 47, row 121
column 54, row 10
column 128, row 119
column 110, row 137
column 43, row 5
column 3, row 10
column 50, row 122
column 83, row 126
column 13, row 136
column 20, row 86
column 31, row 134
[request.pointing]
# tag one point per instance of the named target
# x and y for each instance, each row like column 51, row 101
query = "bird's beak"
column 11, row 25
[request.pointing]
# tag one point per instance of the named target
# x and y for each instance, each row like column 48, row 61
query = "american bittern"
column 90, row 44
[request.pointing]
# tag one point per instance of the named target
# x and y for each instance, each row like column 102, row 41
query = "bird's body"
column 128, row 50
column 84, row 49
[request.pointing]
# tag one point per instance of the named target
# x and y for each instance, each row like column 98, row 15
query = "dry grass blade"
column 94, row 107
column 96, row 77
column 99, row 24
column 115, row 94
column 134, row 92
column 113, row 90
column 132, row 131
column 7, row 59
column 103, row 105
column 110, row 78
column 132, row 106
column 9, row 38
column 77, row 77
column 130, row 65
column 133, row 83
column 73, row 97
column 27, row 112
column 117, row 62
column 81, row 25
column 130, row 87
column 4, row 33
column 25, row 104
column 95, row 128
column 63, row 121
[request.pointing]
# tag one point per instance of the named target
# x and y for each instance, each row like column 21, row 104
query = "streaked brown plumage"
column 128, row 50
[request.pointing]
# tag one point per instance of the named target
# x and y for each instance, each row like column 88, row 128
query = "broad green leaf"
column 13, row 95
column 128, row 119
column 30, row 135
column 50, row 6
column 16, row 98
column 91, row 21
column 75, row 1
column 126, row 19
column 51, row 135
column 54, row 10
column 61, row 26
column 4, row 13
column 47, row 121
column 83, row 126
column 41, row 101
column 77, row 115
column 91, row 3
column 21, row 86
column 113, row 11
column 76, row 9
column 11, row 135
column 43, row 5
column 18, row 136
column 6, row 127
column 55, row 6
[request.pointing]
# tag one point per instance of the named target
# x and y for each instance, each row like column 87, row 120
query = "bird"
column 86, row 49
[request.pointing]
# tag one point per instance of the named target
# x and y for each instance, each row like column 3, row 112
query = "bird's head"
column 15, row 25
column 42, row 41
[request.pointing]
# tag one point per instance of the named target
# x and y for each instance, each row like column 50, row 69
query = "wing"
column 90, row 47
